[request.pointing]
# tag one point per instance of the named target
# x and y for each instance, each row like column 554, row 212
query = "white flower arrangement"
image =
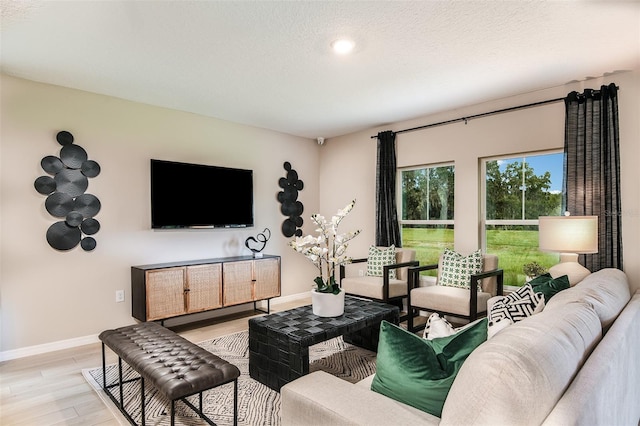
column 328, row 249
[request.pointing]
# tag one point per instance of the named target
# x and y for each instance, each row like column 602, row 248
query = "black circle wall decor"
column 64, row 138
column 74, row 219
column 90, row 226
column 59, row 204
column 45, row 185
column 51, row 164
column 88, row 243
column 66, row 198
column 62, row 236
column 288, row 198
column 73, row 156
column 71, row 182
column 90, row 168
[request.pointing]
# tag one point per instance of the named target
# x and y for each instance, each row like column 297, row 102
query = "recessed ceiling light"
column 342, row 46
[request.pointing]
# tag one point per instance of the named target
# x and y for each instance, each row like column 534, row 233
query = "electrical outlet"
column 119, row 296
column 361, row 272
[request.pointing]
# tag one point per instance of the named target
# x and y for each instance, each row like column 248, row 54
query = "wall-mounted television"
column 185, row 195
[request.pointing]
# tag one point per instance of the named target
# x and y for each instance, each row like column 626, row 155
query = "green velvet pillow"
column 420, row 372
column 549, row 286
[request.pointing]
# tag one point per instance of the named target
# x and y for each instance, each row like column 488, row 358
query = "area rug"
column 257, row 403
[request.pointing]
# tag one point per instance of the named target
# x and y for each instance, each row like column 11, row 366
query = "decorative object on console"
column 570, row 236
column 291, row 207
column 251, row 242
column 327, row 250
column 66, row 198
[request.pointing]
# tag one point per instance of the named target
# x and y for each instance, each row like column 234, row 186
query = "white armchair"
column 355, row 281
column 457, row 302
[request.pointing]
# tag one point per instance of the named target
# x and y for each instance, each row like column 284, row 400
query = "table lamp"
column 569, row 236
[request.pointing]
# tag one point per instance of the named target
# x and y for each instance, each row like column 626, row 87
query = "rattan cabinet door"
column 238, row 282
column 267, row 278
column 204, row 285
column 165, row 293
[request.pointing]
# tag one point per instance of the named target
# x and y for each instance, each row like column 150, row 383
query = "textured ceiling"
column 268, row 63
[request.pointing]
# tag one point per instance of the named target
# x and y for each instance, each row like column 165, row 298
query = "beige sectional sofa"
column 575, row 363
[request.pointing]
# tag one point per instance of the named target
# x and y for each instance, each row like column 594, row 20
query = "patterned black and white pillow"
column 514, row 307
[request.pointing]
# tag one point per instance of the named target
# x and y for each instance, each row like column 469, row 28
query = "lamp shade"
column 568, row 234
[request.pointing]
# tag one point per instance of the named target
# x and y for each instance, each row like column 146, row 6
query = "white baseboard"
column 48, row 347
column 87, row 340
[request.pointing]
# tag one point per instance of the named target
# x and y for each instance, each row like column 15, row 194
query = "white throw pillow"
column 440, row 327
column 456, row 269
column 437, row 327
column 379, row 257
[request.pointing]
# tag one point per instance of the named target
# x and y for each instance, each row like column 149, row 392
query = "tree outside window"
column 426, row 216
column 517, row 191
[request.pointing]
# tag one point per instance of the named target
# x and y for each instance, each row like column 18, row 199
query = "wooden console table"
column 168, row 290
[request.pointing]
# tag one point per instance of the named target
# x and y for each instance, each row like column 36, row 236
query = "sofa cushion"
column 380, row 257
column 456, row 269
column 447, row 299
column 607, row 290
column 419, row 372
column 518, row 376
column 321, row 399
column 372, row 287
column 549, row 286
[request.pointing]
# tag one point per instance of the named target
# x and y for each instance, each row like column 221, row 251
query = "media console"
column 168, row 290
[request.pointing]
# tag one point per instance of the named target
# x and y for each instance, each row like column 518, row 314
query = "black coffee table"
column 279, row 343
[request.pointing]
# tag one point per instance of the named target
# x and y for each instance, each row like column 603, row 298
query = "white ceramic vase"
column 327, row 304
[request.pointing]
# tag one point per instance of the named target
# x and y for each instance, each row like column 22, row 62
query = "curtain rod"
column 484, row 114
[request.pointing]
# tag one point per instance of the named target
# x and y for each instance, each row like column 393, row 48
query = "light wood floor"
column 49, row 389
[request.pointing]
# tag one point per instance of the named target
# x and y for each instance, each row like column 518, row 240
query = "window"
column 426, row 210
column 516, row 191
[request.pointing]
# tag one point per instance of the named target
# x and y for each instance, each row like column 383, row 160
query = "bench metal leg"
column 235, row 402
column 104, row 369
column 120, row 381
column 142, row 400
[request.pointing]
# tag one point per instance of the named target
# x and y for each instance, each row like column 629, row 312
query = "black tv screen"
column 187, row 195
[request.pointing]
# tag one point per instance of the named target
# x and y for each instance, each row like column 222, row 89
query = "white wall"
column 348, row 163
column 48, row 296
column 51, row 296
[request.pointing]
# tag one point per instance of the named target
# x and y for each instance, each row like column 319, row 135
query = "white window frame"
column 483, row 194
column 399, row 196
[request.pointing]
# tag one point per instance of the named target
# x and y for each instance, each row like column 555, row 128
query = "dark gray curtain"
column 387, row 228
column 592, row 170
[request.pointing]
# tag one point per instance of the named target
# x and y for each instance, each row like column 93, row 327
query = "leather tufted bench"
column 176, row 367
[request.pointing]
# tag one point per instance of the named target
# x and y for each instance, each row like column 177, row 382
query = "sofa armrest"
column 322, row 399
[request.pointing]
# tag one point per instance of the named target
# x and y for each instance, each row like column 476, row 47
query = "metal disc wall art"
column 66, row 198
column 290, row 206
